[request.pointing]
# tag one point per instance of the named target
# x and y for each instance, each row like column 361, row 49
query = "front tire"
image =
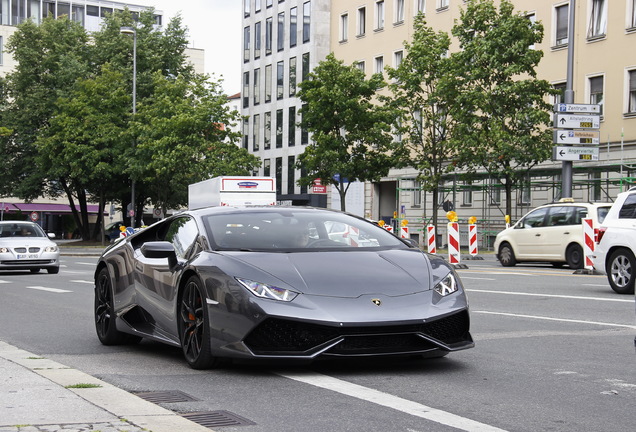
column 105, row 313
column 621, row 269
column 507, row 255
column 53, row 270
column 574, row 256
column 194, row 326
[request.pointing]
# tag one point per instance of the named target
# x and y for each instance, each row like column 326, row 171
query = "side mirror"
column 51, row 235
column 160, row 249
column 412, row 243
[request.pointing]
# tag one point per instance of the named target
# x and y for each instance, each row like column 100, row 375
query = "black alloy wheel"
column 194, row 326
column 105, row 313
column 506, row 255
column 620, row 271
column 574, row 256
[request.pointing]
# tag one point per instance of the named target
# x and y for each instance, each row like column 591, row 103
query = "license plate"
column 27, row 256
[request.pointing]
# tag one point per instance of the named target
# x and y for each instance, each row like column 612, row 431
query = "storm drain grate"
column 170, row 396
column 212, row 419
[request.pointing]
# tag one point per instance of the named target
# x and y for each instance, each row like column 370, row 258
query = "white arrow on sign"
column 565, row 136
column 577, row 121
column 575, row 153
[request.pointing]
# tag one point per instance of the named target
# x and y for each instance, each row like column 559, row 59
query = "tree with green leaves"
column 504, row 126
column 185, row 125
column 423, row 89
column 351, row 133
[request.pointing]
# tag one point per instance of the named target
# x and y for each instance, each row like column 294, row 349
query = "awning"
column 47, row 208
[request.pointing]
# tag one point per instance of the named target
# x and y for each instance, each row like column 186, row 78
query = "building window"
column 632, row 15
column 362, row 22
column 246, row 8
column 467, row 194
column 280, row 79
column 596, row 91
column 304, row 133
column 279, row 175
column 257, row 86
column 379, row 65
column 257, row 40
column 292, row 76
column 267, row 168
column 344, row 27
column 526, row 193
column 281, row 31
column 268, row 3
column 268, row 35
column 420, row 6
column 256, row 132
column 598, row 19
column 246, row 133
column 494, row 192
column 305, row 67
column 293, row 26
column 246, row 89
column 268, row 83
column 267, row 143
column 257, row 6
column 532, row 17
column 417, row 193
column 279, row 128
column 562, row 20
column 306, row 21
column 1, row 50
column 398, row 56
column 246, row 44
column 443, row 4
column 360, row 65
column 631, row 108
column 291, row 174
column 291, row 128
column 560, row 96
column 596, row 186
column 379, row 15
column 399, row 12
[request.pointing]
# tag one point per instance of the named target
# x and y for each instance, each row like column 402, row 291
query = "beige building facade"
column 370, row 33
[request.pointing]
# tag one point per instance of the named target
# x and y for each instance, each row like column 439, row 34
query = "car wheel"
column 53, row 270
column 105, row 313
column 506, row 255
column 574, row 256
column 194, row 326
column 621, row 270
column 35, row 270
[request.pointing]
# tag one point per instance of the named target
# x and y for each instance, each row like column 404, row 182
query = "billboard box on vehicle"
column 232, row 191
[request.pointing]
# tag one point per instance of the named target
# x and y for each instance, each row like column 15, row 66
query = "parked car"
column 25, row 246
column 614, row 253
column 269, row 282
column 550, row 233
column 113, row 230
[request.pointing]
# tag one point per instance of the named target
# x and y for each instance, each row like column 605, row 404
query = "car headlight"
column 268, row 291
column 446, row 286
column 50, row 249
column 3, row 250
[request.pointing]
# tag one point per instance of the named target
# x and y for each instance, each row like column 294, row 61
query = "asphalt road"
column 554, row 352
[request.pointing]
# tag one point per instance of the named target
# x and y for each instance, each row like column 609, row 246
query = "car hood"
column 26, row 241
column 348, row 274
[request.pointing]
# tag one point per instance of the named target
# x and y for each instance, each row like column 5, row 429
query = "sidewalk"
column 40, row 395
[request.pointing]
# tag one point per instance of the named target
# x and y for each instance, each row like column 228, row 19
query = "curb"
column 109, row 398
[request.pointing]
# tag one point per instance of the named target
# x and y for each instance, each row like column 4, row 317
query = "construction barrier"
column 454, row 256
column 588, row 242
column 404, row 232
column 430, row 239
column 472, row 239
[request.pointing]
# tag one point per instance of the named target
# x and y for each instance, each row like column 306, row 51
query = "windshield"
column 21, row 230
column 303, row 229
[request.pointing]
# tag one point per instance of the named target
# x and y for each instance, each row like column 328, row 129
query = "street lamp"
column 133, row 32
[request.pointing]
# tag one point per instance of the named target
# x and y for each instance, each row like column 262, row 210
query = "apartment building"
column 370, row 33
column 283, row 40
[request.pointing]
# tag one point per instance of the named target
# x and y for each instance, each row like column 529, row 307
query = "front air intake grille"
column 278, row 336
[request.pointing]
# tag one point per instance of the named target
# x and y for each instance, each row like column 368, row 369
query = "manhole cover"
column 212, row 419
column 170, row 396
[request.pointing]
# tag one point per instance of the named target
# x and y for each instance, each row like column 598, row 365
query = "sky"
column 214, row 26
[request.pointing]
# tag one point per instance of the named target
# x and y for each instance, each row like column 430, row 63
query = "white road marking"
column 477, row 278
column 389, row 401
column 620, row 300
column 495, row 272
column 4, row 281
column 556, row 319
column 83, row 281
column 85, row 263
column 54, row 290
column 597, row 285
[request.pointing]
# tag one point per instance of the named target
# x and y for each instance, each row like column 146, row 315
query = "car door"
column 529, row 233
column 563, row 226
column 157, row 278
